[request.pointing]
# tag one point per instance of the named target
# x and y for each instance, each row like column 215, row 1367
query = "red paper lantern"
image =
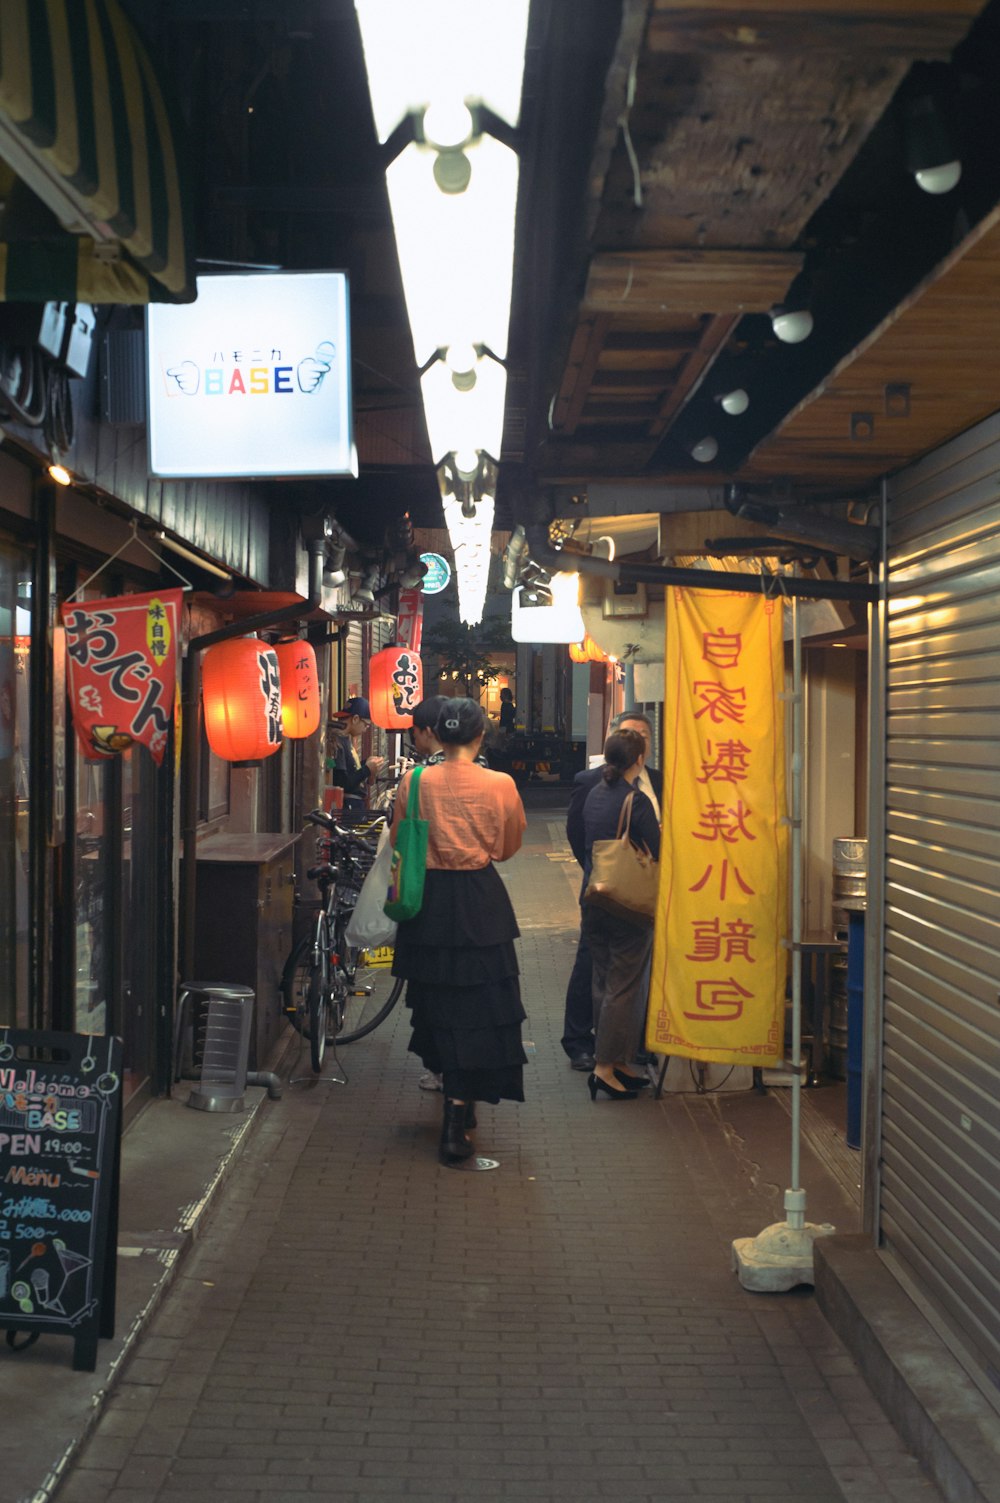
column 578, row 652
column 241, row 693
column 299, row 689
column 395, row 687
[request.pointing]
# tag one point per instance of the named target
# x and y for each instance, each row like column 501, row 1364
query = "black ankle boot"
column 455, row 1146
column 470, row 1114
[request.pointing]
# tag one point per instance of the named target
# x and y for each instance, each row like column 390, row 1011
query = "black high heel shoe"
column 631, row 1082
column 595, row 1084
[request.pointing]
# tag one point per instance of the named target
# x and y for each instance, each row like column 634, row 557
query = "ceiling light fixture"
column 735, row 402
column 705, row 450
column 931, row 154
column 60, row 474
column 791, row 325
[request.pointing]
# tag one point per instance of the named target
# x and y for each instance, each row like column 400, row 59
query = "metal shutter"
column 940, row 1174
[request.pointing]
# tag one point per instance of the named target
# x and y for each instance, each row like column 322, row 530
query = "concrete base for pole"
column 778, row 1258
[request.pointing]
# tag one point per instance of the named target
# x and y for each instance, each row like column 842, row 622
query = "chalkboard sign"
column 60, row 1139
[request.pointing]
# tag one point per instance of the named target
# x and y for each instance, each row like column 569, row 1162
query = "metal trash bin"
column 221, row 1016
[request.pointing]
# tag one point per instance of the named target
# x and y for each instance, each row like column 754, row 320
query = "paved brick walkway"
column 360, row 1324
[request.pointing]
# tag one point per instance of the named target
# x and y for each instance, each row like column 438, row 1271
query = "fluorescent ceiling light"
column 456, row 250
column 561, row 621
column 460, row 422
column 441, row 52
column 470, row 541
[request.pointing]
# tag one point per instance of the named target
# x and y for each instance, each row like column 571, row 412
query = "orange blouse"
column 475, row 815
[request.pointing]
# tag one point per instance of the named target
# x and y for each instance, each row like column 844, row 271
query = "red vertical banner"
column 121, row 657
column 410, row 620
column 717, row 989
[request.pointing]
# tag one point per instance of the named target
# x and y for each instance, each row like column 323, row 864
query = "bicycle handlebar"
column 351, row 837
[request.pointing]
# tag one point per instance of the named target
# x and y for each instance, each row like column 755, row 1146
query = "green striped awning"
column 84, row 125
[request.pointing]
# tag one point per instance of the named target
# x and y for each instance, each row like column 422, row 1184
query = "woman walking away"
column 620, row 947
column 457, row 955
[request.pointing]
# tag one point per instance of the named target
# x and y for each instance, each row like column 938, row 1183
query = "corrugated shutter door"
column 354, row 657
column 940, row 1176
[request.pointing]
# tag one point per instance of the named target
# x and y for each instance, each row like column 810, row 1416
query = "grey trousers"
column 620, row 952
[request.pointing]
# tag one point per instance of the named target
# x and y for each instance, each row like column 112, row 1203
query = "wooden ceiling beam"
column 585, row 351
column 689, row 281
column 697, row 366
column 901, row 28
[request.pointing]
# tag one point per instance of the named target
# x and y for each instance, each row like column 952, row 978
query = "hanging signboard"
column 253, row 378
column 122, row 659
column 410, row 620
column 438, row 576
column 60, row 1138
column 717, row 990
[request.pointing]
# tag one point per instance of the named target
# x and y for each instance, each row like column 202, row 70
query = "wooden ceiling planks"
column 943, row 345
column 689, row 281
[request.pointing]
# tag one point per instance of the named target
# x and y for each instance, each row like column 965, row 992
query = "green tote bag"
column 409, row 859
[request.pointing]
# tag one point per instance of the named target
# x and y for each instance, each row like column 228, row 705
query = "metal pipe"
column 707, row 579
column 191, row 740
column 796, row 874
column 874, row 982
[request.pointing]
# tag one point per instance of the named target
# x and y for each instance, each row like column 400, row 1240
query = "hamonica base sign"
column 60, row 1140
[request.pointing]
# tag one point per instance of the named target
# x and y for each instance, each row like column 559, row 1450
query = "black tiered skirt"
column 460, row 966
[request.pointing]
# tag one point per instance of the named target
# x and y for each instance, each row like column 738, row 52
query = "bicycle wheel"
column 295, row 984
column 319, row 1007
column 371, row 990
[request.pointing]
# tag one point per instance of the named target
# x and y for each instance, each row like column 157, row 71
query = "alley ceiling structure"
column 687, row 167
column 743, row 155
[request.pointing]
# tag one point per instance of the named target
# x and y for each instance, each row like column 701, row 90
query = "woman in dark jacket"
column 620, row 947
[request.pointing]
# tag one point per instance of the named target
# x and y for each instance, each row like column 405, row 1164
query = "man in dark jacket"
column 578, row 1020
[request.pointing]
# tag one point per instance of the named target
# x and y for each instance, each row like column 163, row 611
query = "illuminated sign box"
column 253, row 379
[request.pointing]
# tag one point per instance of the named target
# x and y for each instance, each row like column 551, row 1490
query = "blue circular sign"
column 438, row 575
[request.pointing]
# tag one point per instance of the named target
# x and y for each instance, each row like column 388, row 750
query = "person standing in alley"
column 619, row 947
column 578, row 1018
column 345, row 765
column 458, row 955
column 508, row 711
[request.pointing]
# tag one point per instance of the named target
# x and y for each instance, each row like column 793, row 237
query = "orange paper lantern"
column 587, row 651
column 241, row 693
column 299, row 689
column 395, row 687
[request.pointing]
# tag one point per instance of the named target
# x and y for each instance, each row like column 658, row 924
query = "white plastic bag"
column 368, row 926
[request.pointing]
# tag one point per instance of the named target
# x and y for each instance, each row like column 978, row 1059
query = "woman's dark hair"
column 460, row 722
column 425, row 716
column 621, row 750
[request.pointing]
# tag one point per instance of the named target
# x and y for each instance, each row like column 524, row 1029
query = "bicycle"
column 334, row 993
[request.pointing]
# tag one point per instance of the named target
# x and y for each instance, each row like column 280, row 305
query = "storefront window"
column 92, row 868
column 15, row 746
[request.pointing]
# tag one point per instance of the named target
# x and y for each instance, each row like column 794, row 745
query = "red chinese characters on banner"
column 121, row 657
column 410, row 620
column 717, row 990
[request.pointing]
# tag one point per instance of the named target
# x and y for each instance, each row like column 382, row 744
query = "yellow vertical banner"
column 717, row 990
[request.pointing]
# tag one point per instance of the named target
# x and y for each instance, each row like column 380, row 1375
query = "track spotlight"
column 705, row 450
column 514, row 558
column 411, row 575
column 364, row 590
